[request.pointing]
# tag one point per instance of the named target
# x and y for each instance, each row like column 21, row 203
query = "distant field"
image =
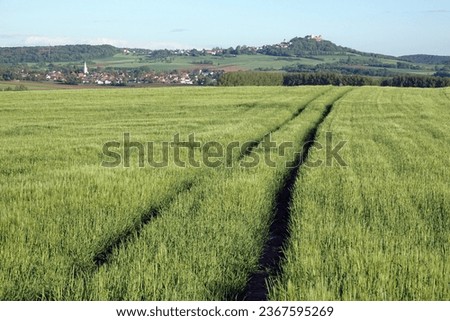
column 35, row 85
column 233, row 63
column 31, row 85
column 50, row 85
column 376, row 228
column 241, row 62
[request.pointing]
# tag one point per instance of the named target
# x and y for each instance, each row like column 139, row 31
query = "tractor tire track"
column 273, row 254
column 103, row 255
column 253, row 144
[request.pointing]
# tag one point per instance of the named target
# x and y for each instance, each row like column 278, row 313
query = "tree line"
column 416, row 81
column 427, row 59
column 19, row 55
column 252, row 78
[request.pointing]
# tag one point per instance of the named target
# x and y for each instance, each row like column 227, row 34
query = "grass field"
column 378, row 230
column 32, row 85
column 72, row 229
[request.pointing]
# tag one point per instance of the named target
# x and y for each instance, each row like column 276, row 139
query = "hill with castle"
column 109, row 65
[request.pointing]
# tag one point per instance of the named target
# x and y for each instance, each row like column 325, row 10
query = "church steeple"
column 85, row 69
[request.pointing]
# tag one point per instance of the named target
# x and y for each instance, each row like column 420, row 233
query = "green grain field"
column 72, row 228
column 380, row 228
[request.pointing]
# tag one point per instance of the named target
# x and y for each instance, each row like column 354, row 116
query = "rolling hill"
column 300, row 54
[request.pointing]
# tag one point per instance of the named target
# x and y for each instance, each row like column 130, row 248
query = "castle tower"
column 85, row 69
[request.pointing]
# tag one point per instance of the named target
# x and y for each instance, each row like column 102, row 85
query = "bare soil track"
column 103, row 255
column 254, row 144
column 272, row 254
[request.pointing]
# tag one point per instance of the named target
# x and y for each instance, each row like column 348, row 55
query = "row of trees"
column 416, row 81
column 321, row 78
column 339, row 69
column 427, row 59
column 372, row 67
column 335, row 79
column 251, row 78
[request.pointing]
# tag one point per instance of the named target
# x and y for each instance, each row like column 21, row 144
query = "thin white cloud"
column 9, row 35
column 136, row 44
column 46, row 41
column 106, row 41
column 38, row 40
column 162, row 45
column 42, row 40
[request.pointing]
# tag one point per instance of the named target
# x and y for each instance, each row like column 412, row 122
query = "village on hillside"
column 123, row 78
column 92, row 73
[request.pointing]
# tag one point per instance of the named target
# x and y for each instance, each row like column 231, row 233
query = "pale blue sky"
column 392, row 27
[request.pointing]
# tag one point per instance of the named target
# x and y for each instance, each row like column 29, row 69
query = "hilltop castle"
column 314, row 37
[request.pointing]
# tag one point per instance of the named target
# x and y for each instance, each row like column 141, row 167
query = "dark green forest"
column 20, row 55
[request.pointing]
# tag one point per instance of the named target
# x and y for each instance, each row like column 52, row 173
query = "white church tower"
column 85, row 69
